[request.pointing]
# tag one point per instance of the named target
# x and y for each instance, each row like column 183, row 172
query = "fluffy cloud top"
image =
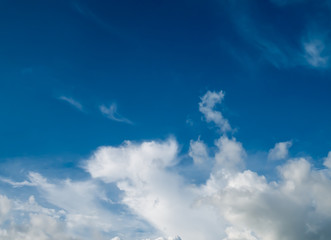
column 152, row 190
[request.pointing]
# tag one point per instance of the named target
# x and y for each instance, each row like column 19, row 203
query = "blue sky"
column 95, row 93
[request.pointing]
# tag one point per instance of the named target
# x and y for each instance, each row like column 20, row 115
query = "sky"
column 165, row 120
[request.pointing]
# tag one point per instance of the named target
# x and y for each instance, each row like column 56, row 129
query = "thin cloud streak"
column 72, row 102
column 16, row 184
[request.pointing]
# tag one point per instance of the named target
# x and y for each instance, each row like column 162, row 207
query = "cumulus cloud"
column 72, row 102
column 111, row 113
column 295, row 207
column 280, row 151
column 249, row 207
column 207, row 105
column 154, row 199
column 151, row 190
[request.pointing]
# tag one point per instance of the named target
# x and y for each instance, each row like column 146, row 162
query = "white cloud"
column 152, row 191
column 231, row 153
column 111, row 113
column 296, row 207
column 280, row 151
column 72, row 102
column 207, row 105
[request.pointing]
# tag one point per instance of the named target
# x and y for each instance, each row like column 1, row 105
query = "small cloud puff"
column 280, row 151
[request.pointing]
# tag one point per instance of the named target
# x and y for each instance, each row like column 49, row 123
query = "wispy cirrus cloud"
column 111, row 113
column 74, row 103
column 277, row 47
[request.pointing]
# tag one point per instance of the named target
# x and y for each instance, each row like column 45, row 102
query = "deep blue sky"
column 154, row 59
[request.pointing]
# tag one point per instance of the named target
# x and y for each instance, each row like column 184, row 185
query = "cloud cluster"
column 154, row 199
